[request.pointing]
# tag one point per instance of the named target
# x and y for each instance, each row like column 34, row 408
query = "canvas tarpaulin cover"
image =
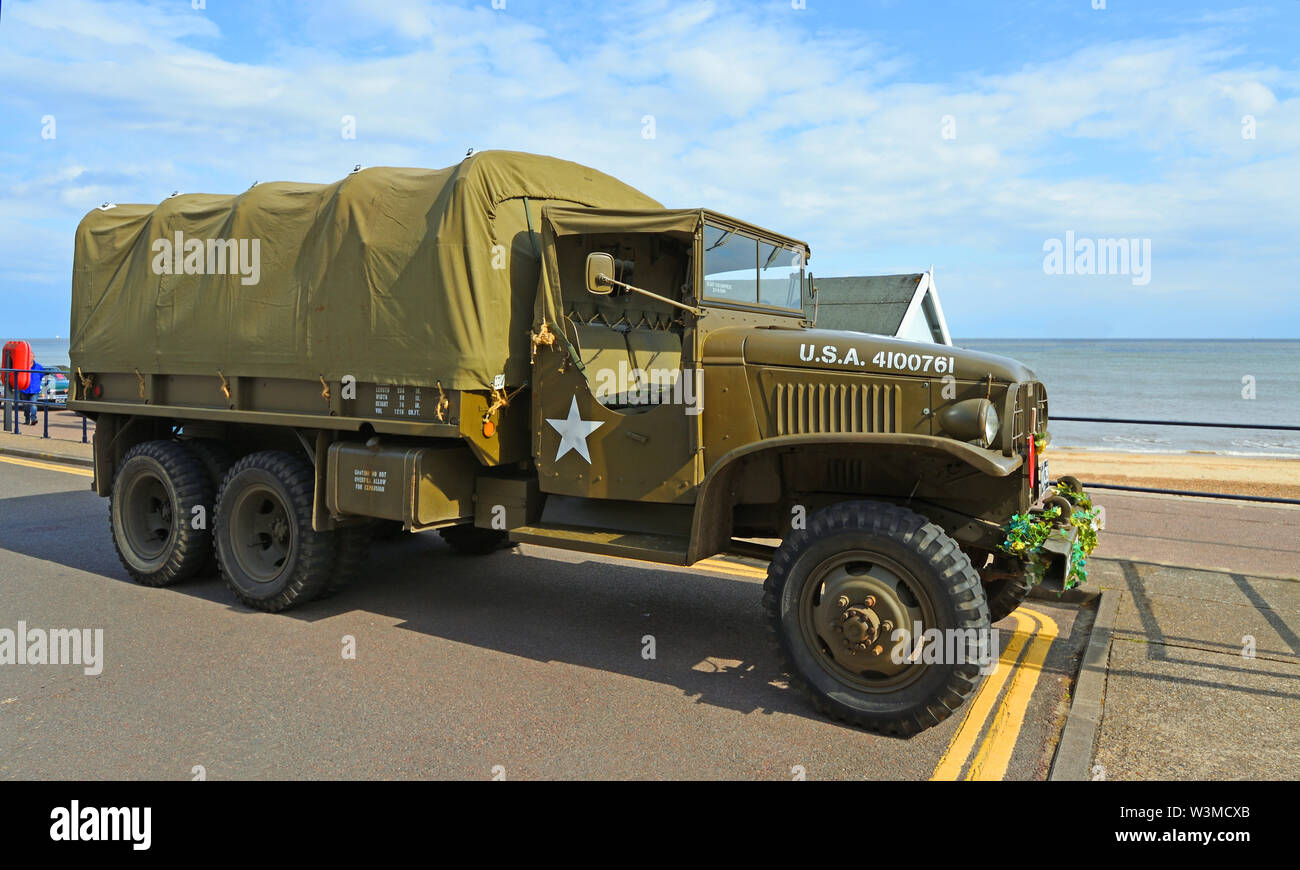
column 402, row 276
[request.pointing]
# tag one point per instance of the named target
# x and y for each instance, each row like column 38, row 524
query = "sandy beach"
column 1203, row 472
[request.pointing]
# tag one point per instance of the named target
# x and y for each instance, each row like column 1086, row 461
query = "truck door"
column 616, row 414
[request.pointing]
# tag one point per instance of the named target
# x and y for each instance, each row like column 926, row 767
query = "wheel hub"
column 858, row 613
column 147, row 516
column 853, row 609
column 860, row 625
column 263, row 532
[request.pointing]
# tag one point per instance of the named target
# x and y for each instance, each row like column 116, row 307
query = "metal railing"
column 1186, row 492
column 1055, row 419
column 16, row 404
column 13, row 405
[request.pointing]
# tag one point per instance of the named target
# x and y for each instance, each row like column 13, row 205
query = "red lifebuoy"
column 17, row 355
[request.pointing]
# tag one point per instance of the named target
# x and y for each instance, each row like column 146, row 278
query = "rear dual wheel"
column 216, row 458
column 159, row 512
column 269, row 554
column 175, row 505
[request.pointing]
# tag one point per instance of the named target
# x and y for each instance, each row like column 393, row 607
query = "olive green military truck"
column 522, row 349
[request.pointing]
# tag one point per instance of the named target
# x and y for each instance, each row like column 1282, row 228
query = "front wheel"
column 853, row 600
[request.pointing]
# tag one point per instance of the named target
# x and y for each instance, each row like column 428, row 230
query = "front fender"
column 711, row 525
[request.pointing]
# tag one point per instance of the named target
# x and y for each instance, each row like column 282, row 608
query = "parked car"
column 54, row 388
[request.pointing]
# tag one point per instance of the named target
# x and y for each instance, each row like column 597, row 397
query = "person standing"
column 27, row 398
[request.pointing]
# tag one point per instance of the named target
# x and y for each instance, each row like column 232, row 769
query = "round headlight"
column 971, row 420
column 990, row 424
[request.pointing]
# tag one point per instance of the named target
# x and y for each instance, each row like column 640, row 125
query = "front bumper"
column 1063, row 528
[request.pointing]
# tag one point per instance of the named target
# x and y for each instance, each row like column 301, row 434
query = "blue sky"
column 889, row 135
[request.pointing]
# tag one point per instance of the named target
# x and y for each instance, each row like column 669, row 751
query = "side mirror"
column 599, row 265
column 812, row 288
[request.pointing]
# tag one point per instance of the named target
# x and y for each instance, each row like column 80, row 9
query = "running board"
column 753, row 549
column 668, row 549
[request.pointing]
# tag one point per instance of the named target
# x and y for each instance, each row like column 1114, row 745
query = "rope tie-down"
column 440, row 410
column 87, row 381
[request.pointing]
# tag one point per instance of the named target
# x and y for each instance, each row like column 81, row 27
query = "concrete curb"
column 1073, row 761
column 48, row 457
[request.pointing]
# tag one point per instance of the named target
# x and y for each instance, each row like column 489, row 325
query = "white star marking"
column 573, row 432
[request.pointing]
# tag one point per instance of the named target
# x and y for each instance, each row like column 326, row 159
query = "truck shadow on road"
column 704, row 634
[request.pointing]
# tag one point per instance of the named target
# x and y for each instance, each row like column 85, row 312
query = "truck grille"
column 1028, row 402
column 802, row 409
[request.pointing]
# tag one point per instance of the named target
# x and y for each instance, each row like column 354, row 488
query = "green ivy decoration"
column 1026, row 534
column 1080, row 499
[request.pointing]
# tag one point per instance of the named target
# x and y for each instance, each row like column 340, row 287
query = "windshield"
column 780, row 276
column 739, row 268
column 730, row 265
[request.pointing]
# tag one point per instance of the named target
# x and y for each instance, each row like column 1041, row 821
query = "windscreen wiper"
column 728, row 234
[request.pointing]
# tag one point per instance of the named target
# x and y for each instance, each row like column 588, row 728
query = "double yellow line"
column 1021, row 663
column 48, row 466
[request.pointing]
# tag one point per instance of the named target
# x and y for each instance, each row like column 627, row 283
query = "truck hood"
column 860, row 352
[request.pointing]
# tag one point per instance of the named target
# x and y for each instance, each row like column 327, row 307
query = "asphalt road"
column 523, row 664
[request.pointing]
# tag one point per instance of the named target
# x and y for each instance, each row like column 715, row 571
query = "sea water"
column 1196, row 380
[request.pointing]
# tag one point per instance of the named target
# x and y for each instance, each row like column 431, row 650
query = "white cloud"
column 820, row 134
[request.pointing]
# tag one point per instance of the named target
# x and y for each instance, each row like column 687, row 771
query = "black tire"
column 1006, row 585
column 1006, row 594
column 268, row 553
column 913, row 572
column 387, row 530
column 351, row 552
column 473, row 541
column 217, row 459
column 151, row 511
